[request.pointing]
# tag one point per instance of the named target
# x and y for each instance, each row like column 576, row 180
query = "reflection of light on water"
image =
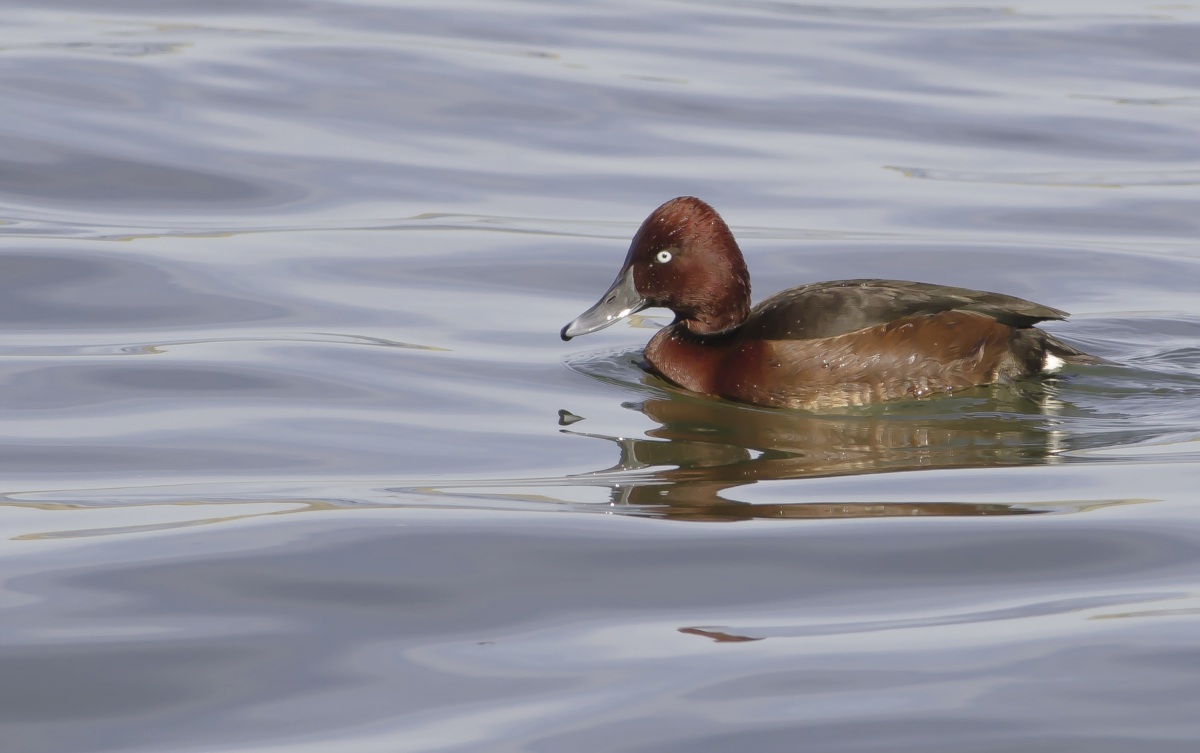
column 1084, row 606
column 1110, row 179
column 1185, row 448
column 702, row 448
column 32, row 522
column 157, row 348
column 1184, row 606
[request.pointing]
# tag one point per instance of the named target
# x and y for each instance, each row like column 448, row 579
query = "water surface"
column 294, row 459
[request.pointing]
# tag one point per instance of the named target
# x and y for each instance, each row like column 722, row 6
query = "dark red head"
column 683, row 258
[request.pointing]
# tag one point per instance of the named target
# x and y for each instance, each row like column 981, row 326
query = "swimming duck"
column 821, row 345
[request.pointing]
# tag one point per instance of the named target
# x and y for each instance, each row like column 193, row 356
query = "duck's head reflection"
column 703, row 447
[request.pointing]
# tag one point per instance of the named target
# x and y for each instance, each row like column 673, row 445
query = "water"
column 294, row 459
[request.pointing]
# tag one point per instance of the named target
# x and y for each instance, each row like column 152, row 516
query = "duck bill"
column 618, row 302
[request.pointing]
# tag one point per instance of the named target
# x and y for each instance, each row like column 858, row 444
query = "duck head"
column 683, row 258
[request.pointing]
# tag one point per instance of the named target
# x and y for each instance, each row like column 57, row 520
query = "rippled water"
column 294, row 459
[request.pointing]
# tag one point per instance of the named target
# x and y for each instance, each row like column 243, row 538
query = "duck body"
column 855, row 342
column 822, row 345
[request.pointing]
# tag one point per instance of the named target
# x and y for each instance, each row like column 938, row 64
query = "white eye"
column 663, row 257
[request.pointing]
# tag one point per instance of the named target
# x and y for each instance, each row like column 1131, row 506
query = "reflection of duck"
column 715, row 446
column 823, row 345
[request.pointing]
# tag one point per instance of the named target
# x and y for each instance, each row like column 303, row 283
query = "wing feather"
column 828, row 309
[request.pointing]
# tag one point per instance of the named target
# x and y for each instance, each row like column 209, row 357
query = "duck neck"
column 722, row 307
column 710, row 323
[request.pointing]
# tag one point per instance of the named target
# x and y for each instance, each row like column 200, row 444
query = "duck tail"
column 1054, row 354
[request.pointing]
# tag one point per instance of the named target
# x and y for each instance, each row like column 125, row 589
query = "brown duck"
column 822, row 345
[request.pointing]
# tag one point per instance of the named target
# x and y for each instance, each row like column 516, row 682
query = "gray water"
column 294, row 460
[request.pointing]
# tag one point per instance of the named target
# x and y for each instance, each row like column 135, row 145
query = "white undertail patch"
column 1052, row 364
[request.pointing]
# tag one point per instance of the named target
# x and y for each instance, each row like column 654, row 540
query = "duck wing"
column 827, row 309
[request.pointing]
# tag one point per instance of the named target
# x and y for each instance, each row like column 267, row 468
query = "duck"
column 822, row 345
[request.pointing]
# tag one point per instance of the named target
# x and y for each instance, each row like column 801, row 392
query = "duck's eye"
column 663, row 256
